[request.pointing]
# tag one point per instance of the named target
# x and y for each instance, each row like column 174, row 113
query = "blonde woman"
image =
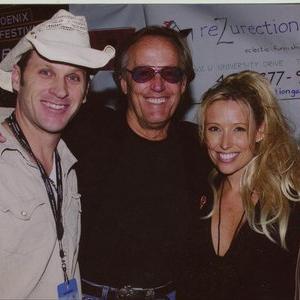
column 249, row 233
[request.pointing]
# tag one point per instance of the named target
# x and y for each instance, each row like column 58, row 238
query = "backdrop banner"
column 224, row 39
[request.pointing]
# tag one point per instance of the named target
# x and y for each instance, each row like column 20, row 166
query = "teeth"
column 54, row 106
column 156, row 100
column 228, row 156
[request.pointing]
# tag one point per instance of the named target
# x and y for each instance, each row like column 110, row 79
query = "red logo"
column 173, row 25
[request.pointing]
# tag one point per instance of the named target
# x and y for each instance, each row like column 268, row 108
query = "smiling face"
column 153, row 103
column 50, row 94
column 230, row 134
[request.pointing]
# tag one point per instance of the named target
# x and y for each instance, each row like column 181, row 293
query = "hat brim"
column 10, row 60
column 85, row 57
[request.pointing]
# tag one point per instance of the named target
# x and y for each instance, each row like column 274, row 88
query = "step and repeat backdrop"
column 224, row 38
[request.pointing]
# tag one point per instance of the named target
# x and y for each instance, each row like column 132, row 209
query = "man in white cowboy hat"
column 39, row 203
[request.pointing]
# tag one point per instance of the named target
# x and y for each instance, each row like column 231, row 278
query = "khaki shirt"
column 30, row 266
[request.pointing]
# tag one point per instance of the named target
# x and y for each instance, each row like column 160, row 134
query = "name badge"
column 67, row 291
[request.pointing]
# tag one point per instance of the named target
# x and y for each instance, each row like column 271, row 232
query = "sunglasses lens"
column 142, row 74
column 172, row 74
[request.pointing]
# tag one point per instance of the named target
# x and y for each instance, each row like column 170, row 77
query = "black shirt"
column 137, row 197
column 254, row 267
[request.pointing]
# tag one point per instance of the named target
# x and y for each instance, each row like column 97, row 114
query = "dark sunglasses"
column 145, row 73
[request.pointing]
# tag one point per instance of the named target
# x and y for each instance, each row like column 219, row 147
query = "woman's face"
column 230, row 134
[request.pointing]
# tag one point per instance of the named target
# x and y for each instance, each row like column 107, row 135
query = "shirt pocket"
column 24, row 225
column 72, row 218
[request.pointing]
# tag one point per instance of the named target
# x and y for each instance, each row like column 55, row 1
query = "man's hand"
column 2, row 138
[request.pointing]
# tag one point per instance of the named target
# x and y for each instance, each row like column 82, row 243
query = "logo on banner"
column 225, row 31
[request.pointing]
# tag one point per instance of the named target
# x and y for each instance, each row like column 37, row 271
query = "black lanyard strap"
column 56, row 206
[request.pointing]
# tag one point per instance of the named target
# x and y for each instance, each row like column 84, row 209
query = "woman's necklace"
column 219, row 222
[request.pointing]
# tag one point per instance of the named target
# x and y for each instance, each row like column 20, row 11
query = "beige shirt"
column 30, row 266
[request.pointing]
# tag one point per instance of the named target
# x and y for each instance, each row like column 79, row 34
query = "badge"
column 68, row 291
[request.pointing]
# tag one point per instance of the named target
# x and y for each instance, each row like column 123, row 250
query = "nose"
column 157, row 83
column 59, row 88
column 225, row 141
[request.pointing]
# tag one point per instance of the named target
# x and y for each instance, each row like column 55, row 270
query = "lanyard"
column 56, row 207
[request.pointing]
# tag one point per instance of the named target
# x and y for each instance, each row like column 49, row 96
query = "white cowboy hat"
column 63, row 38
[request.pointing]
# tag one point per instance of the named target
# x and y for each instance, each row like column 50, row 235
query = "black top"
column 136, row 198
column 253, row 268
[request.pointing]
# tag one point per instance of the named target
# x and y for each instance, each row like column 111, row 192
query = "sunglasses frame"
column 154, row 71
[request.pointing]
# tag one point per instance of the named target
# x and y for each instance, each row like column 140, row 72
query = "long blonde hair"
column 274, row 172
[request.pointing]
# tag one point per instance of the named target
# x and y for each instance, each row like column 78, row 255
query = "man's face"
column 152, row 103
column 50, row 94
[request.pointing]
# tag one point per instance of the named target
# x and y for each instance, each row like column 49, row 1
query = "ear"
column 16, row 78
column 86, row 91
column 123, row 84
column 260, row 134
column 183, row 85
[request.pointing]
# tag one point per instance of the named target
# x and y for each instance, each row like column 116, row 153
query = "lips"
column 156, row 100
column 227, row 157
column 55, row 106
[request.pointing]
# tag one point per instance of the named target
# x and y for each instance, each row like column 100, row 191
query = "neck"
column 44, row 153
column 152, row 134
column 232, row 182
column 42, row 143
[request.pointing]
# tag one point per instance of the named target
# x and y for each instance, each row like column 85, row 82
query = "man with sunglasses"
column 142, row 175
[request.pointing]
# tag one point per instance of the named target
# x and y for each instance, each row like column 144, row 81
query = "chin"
column 157, row 122
column 54, row 129
column 226, row 170
column 157, row 125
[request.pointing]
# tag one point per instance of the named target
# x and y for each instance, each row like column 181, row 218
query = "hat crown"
column 63, row 27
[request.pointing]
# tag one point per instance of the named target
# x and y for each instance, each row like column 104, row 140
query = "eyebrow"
column 72, row 70
column 237, row 123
